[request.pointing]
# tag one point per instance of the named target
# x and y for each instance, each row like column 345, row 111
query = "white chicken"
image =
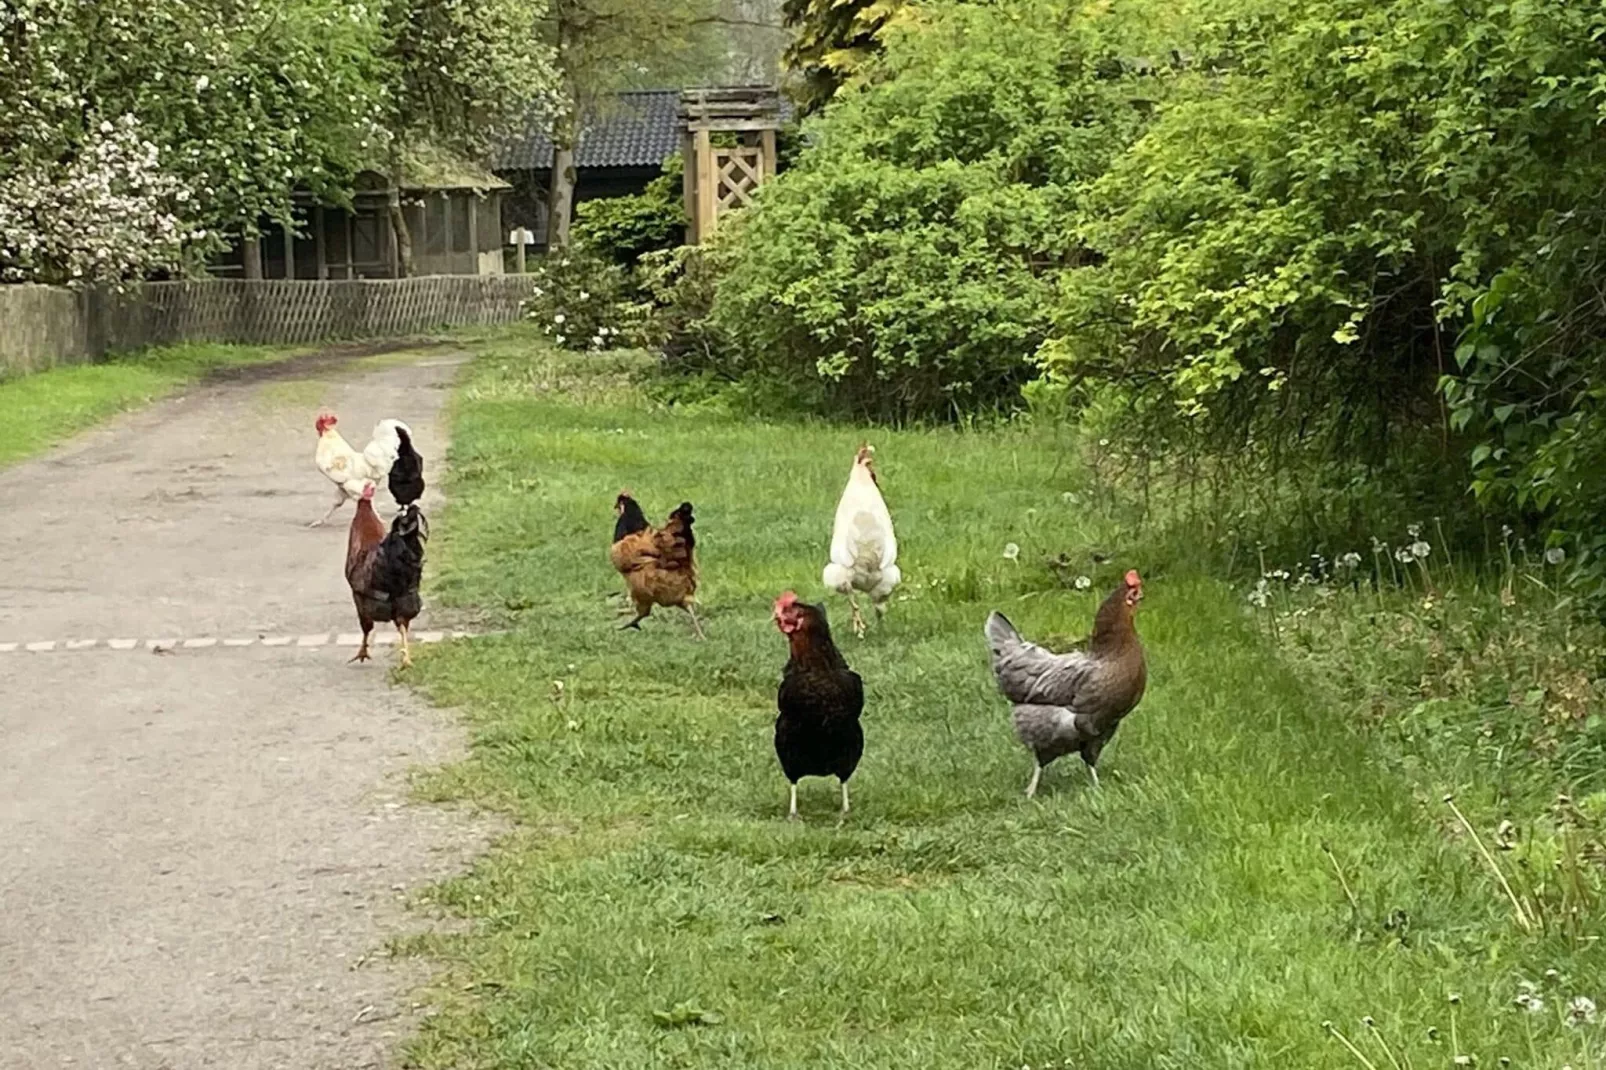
column 864, row 552
column 349, row 470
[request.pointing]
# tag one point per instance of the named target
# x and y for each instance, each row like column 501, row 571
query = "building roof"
column 636, row 128
column 640, row 128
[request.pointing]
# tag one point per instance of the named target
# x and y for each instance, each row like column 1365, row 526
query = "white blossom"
column 1555, row 555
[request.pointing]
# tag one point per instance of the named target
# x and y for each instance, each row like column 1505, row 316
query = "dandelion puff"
column 1414, row 530
column 1581, row 1011
column 1420, row 550
column 1350, row 560
column 1555, row 555
column 559, row 318
column 1011, row 552
column 1403, row 554
column 1083, row 583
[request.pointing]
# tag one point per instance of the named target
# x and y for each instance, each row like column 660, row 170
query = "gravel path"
column 203, row 847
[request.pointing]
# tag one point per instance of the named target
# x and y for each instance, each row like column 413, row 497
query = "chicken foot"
column 858, row 618
column 340, row 499
column 845, row 807
column 695, row 626
column 362, row 651
column 791, row 814
column 1037, row 775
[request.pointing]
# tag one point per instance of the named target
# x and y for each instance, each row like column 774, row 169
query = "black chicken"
column 407, row 473
column 820, row 699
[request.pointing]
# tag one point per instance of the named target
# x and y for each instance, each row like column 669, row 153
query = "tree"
column 140, row 130
column 833, row 42
column 602, row 46
column 462, row 72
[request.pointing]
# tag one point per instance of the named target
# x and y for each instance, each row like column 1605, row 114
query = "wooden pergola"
column 723, row 172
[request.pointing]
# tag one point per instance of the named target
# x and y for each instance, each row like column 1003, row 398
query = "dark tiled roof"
column 635, row 129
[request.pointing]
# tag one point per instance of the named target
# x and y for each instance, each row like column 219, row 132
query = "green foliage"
column 237, row 104
column 584, row 302
column 904, row 266
column 833, row 41
column 623, row 229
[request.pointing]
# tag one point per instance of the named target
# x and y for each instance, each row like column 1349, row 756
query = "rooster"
column 1074, row 702
column 384, row 569
column 349, row 470
column 817, row 732
column 659, row 564
column 864, row 552
column 406, row 479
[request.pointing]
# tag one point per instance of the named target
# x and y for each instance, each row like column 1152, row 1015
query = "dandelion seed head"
column 1555, row 555
column 1083, row 583
column 1420, row 550
column 1011, row 552
column 1581, row 1011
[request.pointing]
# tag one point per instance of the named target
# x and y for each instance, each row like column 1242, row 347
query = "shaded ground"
column 203, row 848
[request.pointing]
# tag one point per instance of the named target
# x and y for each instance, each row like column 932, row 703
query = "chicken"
column 659, row 564
column 384, row 569
column 864, row 552
column 1073, row 702
column 817, row 732
column 349, row 470
column 406, row 478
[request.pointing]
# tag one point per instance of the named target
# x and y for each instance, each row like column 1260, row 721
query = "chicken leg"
column 362, row 651
column 695, row 626
column 845, row 806
column 858, row 618
column 791, row 814
column 1094, row 773
column 407, row 655
column 340, row 499
column 1037, row 775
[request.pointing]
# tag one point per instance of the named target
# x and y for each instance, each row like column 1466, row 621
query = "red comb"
column 1132, row 579
column 786, row 601
column 368, row 492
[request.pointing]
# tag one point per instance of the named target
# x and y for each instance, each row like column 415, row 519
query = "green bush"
column 623, row 229
column 905, row 266
column 584, row 302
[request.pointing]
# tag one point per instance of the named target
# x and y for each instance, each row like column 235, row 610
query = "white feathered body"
column 347, row 468
column 864, row 550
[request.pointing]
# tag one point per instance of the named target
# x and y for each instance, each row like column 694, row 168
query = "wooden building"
column 454, row 217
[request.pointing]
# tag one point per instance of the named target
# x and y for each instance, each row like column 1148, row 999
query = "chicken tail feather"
column 1001, row 634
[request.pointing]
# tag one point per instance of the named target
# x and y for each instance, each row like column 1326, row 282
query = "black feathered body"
column 385, row 576
column 820, row 700
column 406, row 480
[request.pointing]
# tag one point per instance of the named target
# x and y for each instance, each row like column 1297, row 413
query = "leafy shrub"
column 584, row 302
column 623, row 229
column 905, row 265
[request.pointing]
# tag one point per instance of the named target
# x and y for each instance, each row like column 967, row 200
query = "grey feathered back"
column 1029, row 674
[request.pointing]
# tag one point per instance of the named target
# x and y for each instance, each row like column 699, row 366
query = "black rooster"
column 820, row 700
column 407, row 473
column 384, row 569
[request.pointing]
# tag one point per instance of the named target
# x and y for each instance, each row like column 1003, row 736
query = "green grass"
column 48, row 407
column 651, row 907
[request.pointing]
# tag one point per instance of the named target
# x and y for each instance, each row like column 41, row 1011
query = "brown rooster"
column 817, row 732
column 1073, row 702
column 659, row 564
column 384, row 569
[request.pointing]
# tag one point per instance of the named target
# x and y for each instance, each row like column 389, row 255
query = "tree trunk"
column 560, row 195
column 398, row 220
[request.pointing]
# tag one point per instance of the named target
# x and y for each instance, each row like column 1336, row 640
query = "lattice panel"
column 738, row 173
column 291, row 311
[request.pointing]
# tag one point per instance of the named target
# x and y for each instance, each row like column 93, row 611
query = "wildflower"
column 1083, row 583
column 1555, row 555
column 1420, row 550
column 1011, row 552
column 1463, row 1060
column 1581, row 1011
column 201, row 83
column 1258, row 596
column 1379, row 547
column 1505, row 531
column 560, row 339
column 1414, row 530
column 1069, row 497
column 1403, row 554
column 584, row 296
column 559, row 318
column 1350, row 560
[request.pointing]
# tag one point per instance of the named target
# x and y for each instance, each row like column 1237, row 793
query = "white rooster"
column 349, row 470
column 864, row 552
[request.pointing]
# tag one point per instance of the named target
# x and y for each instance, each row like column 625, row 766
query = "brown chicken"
column 384, row 569
column 1073, row 702
column 659, row 564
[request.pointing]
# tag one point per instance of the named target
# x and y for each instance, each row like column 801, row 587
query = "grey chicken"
column 1073, row 703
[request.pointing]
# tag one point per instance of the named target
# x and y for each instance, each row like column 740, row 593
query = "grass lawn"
column 47, row 407
column 653, row 909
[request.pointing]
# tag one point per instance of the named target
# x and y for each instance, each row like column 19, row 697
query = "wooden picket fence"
column 42, row 326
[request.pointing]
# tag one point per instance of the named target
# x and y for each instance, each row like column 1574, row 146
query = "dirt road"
column 203, row 834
